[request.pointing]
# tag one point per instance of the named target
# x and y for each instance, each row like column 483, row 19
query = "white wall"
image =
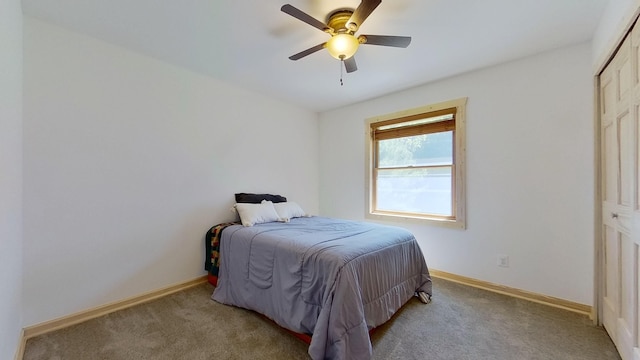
column 10, row 176
column 530, row 172
column 128, row 161
column 616, row 17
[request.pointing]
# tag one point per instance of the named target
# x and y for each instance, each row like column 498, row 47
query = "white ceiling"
column 248, row 42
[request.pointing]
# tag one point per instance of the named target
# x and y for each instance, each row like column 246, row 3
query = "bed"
column 331, row 279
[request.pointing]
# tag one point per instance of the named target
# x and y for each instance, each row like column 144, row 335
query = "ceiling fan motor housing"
column 337, row 20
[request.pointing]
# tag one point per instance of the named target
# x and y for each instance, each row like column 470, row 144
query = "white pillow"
column 288, row 210
column 251, row 214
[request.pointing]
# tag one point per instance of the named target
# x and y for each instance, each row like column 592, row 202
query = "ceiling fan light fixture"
column 342, row 46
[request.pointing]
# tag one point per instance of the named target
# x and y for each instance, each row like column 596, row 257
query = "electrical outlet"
column 503, row 260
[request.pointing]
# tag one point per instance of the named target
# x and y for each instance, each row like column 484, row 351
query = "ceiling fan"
column 342, row 25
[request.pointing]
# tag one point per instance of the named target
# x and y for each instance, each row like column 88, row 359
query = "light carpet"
column 461, row 323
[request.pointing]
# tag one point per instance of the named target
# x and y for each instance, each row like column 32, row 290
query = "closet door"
column 619, row 91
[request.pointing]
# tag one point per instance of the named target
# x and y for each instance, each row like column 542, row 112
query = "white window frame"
column 459, row 193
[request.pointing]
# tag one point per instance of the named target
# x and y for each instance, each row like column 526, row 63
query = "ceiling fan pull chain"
column 341, row 71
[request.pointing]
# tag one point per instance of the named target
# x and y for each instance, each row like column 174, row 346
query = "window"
column 415, row 164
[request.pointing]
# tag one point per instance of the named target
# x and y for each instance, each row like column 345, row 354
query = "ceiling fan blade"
column 363, row 11
column 302, row 16
column 309, row 51
column 385, row 40
column 350, row 64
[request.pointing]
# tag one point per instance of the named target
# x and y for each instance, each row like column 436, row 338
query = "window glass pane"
column 420, row 150
column 425, row 191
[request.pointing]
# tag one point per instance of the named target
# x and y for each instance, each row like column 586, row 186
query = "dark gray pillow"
column 257, row 198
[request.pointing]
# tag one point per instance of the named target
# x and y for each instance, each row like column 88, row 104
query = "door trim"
column 615, row 42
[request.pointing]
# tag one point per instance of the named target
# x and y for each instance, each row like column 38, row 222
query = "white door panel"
column 619, row 94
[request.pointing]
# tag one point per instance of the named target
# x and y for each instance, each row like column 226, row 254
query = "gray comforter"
column 332, row 278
